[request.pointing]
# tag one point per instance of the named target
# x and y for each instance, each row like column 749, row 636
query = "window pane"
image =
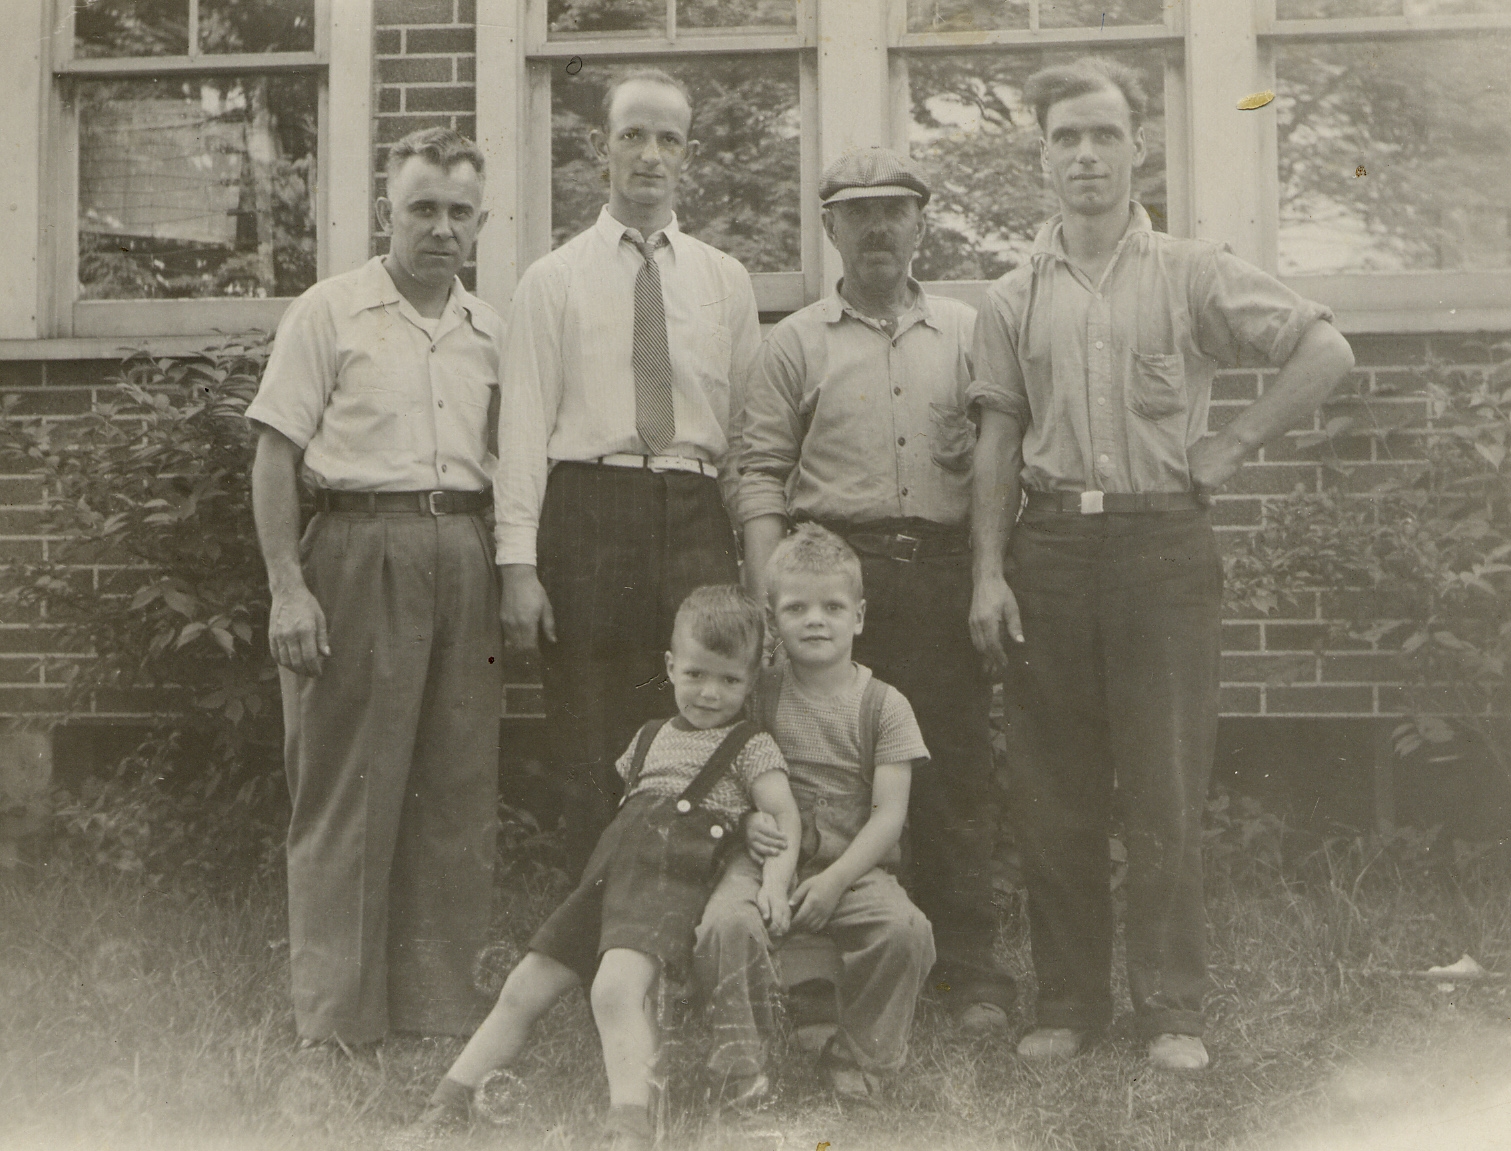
column 980, row 144
column 131, row 27
column 645, row 16
column 990, row 15
column 256, row 25
column 1394, row 156
column 1335, row 9
column 740, row 193
column 196, row 187
column 736, row 13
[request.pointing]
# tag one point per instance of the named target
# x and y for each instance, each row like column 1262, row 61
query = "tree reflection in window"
column 197, row 187
column 980, row 144
column 740, row 193
column 992, row 15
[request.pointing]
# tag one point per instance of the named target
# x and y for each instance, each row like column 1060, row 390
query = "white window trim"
column 343, row 55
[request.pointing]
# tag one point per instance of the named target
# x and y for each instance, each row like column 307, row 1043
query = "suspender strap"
column 870, row 724
column 719, row 762
column 642, row 746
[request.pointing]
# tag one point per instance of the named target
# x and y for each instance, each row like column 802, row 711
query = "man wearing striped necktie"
column 623, row 394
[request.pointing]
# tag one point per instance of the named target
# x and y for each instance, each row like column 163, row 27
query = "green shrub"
column 158, row 580
column 1428, row 553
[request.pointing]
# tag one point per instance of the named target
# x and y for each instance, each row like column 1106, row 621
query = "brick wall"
column 425, row 71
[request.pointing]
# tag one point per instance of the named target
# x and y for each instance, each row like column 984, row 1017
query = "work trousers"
column 392, row 763
column 620, row 548
column 917, row 638
column 885, row 947
column 1115, row 684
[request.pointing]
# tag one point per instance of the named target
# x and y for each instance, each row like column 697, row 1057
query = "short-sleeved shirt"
column 679, row 752
column 378, row 397
column 569, row 380
column 820, row 738
column 846, row 421
column 1111, row 381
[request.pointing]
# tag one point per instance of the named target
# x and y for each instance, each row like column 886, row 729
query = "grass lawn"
column 133, row 1018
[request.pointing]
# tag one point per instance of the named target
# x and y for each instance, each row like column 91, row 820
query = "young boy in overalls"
column 851, row 743
column 688, row 783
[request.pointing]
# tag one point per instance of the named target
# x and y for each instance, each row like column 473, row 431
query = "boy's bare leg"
column 531, row 990
column 625, row 1014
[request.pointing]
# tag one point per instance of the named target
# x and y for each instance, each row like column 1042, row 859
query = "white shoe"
column 1052, row 1043
column 1170, row 1052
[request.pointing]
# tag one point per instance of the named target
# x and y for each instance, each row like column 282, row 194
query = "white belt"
column 659, row 463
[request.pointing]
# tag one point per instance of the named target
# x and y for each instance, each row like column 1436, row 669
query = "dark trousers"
column 392, row 763
column 1116, row 683
column 917, row 638
column 620, row 548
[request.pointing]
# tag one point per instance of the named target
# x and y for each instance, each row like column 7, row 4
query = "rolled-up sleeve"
column 997, row 382
column 773, row 428
column 530, row 394
column 301, row 372
column 1244, row 315
column 745, row 353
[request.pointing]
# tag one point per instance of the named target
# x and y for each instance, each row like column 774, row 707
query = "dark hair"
column 442, row 147
column 723, row 619
column 813, row 550
column 1048, row 86
column 650, row 75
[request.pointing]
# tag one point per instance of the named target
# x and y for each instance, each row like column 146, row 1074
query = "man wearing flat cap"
column 855, row 418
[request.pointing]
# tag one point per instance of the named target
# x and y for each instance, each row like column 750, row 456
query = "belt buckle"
column 430, row 500
column 1091, row 503
column 912, row 551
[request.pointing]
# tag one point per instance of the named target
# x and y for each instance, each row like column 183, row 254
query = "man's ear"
column 1140, row 153
column 693, row 148
column 1044, row 154
column 599, row 142
column 827, row 215
column 383, row 209
column 482, row 218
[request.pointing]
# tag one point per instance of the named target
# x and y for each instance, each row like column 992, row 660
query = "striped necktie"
column 655, row 417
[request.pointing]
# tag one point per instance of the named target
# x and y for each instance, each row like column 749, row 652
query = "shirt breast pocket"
column 953, row 439
column 1157, row 390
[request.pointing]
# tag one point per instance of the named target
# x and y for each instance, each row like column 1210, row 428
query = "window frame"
column 341, row 59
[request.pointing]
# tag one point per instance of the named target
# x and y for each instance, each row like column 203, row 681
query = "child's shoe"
column 846, row 1078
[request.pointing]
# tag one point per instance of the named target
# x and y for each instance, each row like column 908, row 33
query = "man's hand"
column 1214, row 459
column 774, row 909
column 297, row 634
column 993, row 607
column 814, row 901
column 763, row 836
column 524, row 609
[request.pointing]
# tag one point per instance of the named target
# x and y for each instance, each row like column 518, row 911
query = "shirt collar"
column 1049, row 244
column 834, row 307
column 613, row 231
column 376, row 289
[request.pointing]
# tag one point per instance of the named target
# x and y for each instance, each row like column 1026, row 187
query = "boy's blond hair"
column 723, row 619
column 813, row 550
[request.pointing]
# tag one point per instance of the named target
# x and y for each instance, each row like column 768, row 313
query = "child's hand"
column 763, row 835
column 814, row 902
column 775, row 913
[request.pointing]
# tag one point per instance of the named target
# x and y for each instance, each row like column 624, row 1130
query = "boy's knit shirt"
column 679, row 752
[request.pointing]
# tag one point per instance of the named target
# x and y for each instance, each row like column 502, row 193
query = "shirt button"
column 897, row 391
column 1101, row 399
column 440, row 403
column 1102, row 459
column 684, row 806
column 823, row 803
column 904, row 491
column 1098, row 345
column 901, row 440
column 432, row 347
column 443, row 466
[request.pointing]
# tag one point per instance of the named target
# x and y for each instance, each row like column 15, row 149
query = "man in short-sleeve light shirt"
column 1094, row 365
column 385, row 615
column 624, row 382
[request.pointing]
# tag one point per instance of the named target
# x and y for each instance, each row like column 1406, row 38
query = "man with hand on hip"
column 624, row 378
column 1094, row 365
column 384, row 618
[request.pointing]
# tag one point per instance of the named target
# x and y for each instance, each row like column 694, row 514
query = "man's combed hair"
column 442, row 147
column 1049, row 86
column 814, row 550
column 650, row 75
column 723, row 619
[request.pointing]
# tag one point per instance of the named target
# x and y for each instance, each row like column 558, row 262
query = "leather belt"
column 656, row 463
column 1095, row 503
column 906, row 547
column 434, row 503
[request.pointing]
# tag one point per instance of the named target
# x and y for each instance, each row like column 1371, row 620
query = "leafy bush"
column 158, row 580
column 1426, row 555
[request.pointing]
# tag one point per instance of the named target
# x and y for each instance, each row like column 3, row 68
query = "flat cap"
column 870, row 173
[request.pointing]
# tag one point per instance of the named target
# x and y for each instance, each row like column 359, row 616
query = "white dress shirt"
column 569, row 385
